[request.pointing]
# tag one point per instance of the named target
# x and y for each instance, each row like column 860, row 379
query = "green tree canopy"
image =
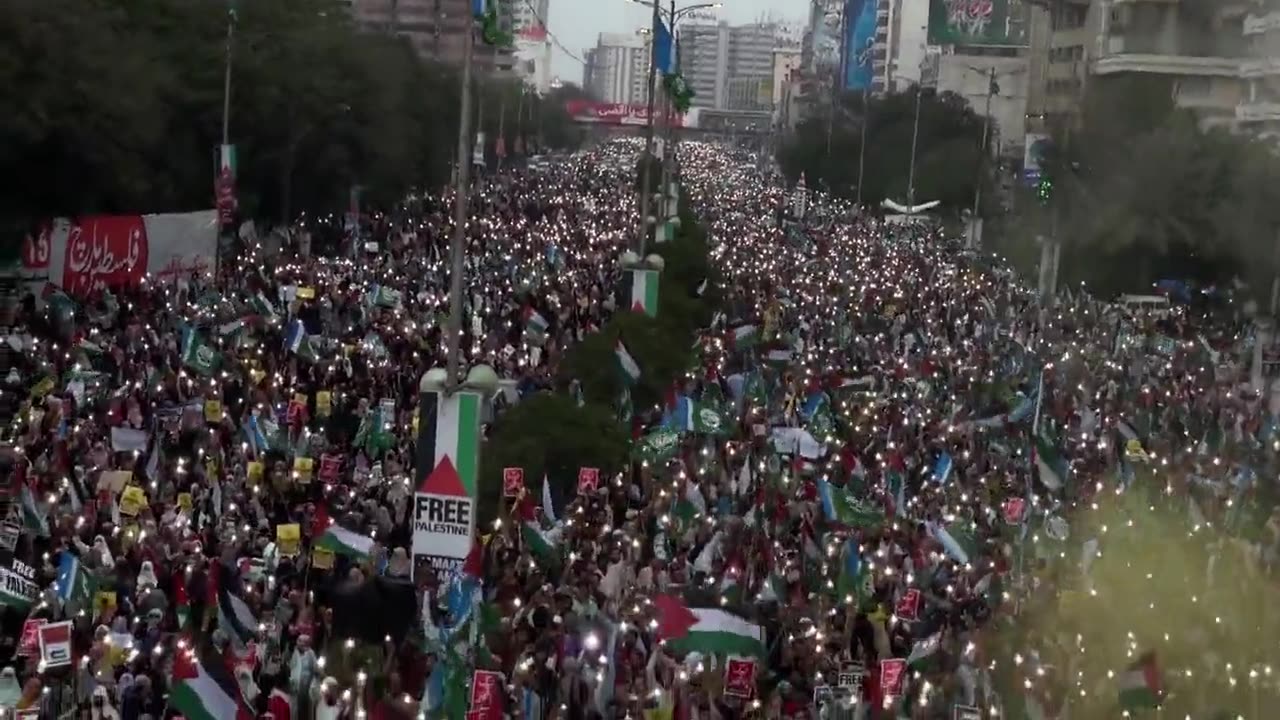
column 948, row 149
column 118, row 107
column 1144, row 191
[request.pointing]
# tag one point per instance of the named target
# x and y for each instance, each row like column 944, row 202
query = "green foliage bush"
column 549, row 433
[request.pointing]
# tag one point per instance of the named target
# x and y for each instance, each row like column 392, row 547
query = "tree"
column 947, row 153
column 1143, row 191
column 120, row 108
column 548, row 435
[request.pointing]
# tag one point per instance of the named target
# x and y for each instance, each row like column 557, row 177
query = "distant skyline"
column 577, row 23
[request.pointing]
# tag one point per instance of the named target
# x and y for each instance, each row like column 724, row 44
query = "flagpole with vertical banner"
column 1026, row 514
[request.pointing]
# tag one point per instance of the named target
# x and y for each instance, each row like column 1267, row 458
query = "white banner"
column 90, row 253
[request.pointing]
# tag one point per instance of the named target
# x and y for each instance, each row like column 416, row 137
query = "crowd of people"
column 836, row 513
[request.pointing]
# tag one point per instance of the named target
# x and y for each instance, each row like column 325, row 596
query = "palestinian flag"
column 342, row 541
column 449, row 427
column 744, row 336
column 205, row 690
column 924, row 651
column 1050, row 464
column 1140, row 685
column 535, row 326
column 706, row 630
column 644, row 291
column 181, row 599
column 235, row 619
column 630, row 370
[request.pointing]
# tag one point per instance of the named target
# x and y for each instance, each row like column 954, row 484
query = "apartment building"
column 617, row 68
column 729, row 67
column 1217, row 56
column 436, row 28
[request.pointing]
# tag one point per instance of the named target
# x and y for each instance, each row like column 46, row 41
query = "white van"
column 1153, row 304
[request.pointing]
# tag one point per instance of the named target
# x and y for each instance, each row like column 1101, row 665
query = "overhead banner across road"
column 85, row 254
column 589, row 111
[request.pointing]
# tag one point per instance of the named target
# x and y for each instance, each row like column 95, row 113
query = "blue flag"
column 663, row 57
column 942, row 470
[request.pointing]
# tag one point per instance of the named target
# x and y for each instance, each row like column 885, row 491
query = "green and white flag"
column 262, row 306
column 197, row 354
column 383, row 296
column 644, row 291
column 658, row 446
column 626, row 363
column 1052, row 468
column 34, row 518
column 924, row 650
column 342, row 541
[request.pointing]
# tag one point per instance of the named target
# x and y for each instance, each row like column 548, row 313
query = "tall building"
column 729, row 68
column 436, row 28
column 617, row 69
column 1218, row 57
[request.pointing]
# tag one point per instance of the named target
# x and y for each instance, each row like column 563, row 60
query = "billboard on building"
column 977, row 22
column 1037, row 148
column 860, row 37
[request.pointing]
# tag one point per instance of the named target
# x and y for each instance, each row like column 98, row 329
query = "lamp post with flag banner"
column 457, row 246
column 661, row 58
column 224, row 183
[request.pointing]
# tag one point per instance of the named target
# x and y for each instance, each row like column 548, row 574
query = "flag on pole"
column 342, row 541
column 535, row 326
column 644, row 291
column 626, row 363
column 449, row 427
column 205, row 690
column 298, row 342
column 663, row 57
column 1140, row 685
column 706, row 630
column 1053, row 469
column 73, row 581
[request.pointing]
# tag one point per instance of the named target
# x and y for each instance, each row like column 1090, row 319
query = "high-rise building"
column 617, row 69
column 1218, row 57
column 729, row 68
column 436, row 28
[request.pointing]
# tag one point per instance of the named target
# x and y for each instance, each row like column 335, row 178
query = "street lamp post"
column 643, row 239
column 457, row 246
column 915, row 138
column 226, row 79
column 974, row 219
column 648, row 135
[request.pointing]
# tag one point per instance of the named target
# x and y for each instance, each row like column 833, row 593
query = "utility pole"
column 862, row 139
column 974, row 219
column 457, row 247
column 668, row 152
column 643, row 239
column 915, row 138
column 226, row 77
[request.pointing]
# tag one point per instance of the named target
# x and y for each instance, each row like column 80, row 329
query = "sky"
column 577, row 23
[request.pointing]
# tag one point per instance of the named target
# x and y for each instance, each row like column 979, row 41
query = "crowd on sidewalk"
column 834, row 514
